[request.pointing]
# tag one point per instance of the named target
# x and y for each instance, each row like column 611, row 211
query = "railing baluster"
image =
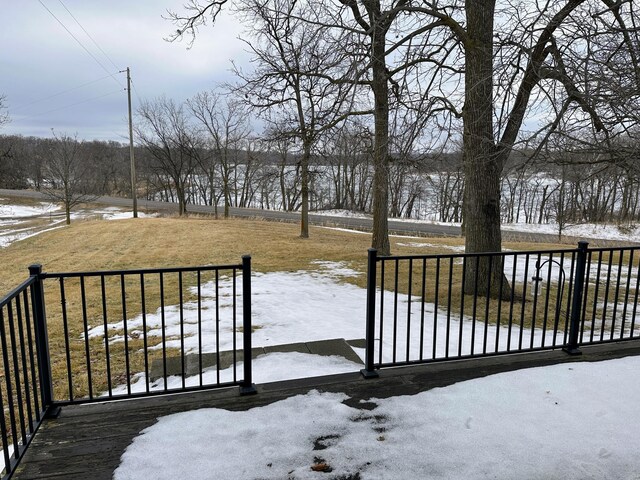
column 7, row 377
column 218, row 328
column 32, row 360
column 435, row 311
column 449, row 299
column 474, row 311
column 487, row 304
column 536, row 291
column 616, row 294
column 234, row 340
column 626, row 294
column 105, row 323
column 23, row 358
column 381, row 322
column 145, row 340
column 395, row 311
column 422, row 302
column 635, row 301
column 199, row 285
column 595, row 297
column 85, row 324
column 372, row 263
column 164, row 333
column 545, row 318
column 181, row 310
column 585, row 295
column 558, row 303
column 67, row 348
column 127, row 360
column 462, row 297
column 499, row 312
column 409, row 309
column 5, row 434
column 606, row 297
column 524, row 299
column 16, row 373
column 512, row 300
column 569, row 296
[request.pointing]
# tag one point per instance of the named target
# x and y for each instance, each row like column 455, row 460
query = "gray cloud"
column 39, row 60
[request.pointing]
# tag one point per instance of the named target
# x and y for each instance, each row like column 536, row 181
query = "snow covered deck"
column 87, row 441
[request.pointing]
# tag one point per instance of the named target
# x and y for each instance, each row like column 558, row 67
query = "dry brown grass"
column 173, row 242
column 170, row 242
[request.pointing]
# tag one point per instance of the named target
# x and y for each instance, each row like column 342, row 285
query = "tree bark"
column 481, row 156
column 380, row 88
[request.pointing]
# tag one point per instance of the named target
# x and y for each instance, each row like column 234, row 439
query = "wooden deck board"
column 87, row 441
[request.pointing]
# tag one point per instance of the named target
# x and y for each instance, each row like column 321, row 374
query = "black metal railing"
column 22, row 396
column 436, row 307
column 69, row 338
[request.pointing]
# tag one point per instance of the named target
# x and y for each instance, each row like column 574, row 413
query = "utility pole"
column 133, row 162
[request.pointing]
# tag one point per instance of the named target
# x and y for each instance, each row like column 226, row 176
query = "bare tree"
column 69, row 173
column 379, row 46
column 4, row 115
column 293, row 84
column 163, row 130
column 5, row 150
column 226, row 124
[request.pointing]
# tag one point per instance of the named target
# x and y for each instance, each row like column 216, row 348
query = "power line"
column 88, row 35
column 73, row 104
column 19, row 107
column 80, row 43
column 135, row 90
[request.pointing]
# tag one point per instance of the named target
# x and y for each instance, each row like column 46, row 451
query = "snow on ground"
column 9, row 211
column 15, row 235
column 15, row 219
column 629, row 233
column 118, row 215
column 270, row 367
column 454, row 248
column 570, row 421
column 320, row 306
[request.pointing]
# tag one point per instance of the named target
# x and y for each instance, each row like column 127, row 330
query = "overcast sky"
column 50, row 81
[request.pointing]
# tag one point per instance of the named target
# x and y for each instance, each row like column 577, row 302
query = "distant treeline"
column 561, row 187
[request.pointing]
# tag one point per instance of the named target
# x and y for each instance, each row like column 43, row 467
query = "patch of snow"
column 335, row 269
column 7, row 238
column 123, row 215
column 455, row 248
column 341, row 213
column 586, row 231
column 521, row 423
column 270, row 367
column 19, row 211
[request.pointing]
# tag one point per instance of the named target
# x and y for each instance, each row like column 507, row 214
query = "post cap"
column 35, row 269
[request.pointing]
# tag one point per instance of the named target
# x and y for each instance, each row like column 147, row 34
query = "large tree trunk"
column 380, row 87
column 482, row 163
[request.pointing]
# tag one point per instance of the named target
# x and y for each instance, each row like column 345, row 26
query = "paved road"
column 364, row 224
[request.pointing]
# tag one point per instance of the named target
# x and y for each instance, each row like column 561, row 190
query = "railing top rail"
column 105, row 273
column 16, row 291
column 614, row 249
column 476, row 255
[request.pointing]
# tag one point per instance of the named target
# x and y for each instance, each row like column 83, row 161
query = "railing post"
column 576, row 302
column 41, row 339
column 247, row 387
column 368, row 371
